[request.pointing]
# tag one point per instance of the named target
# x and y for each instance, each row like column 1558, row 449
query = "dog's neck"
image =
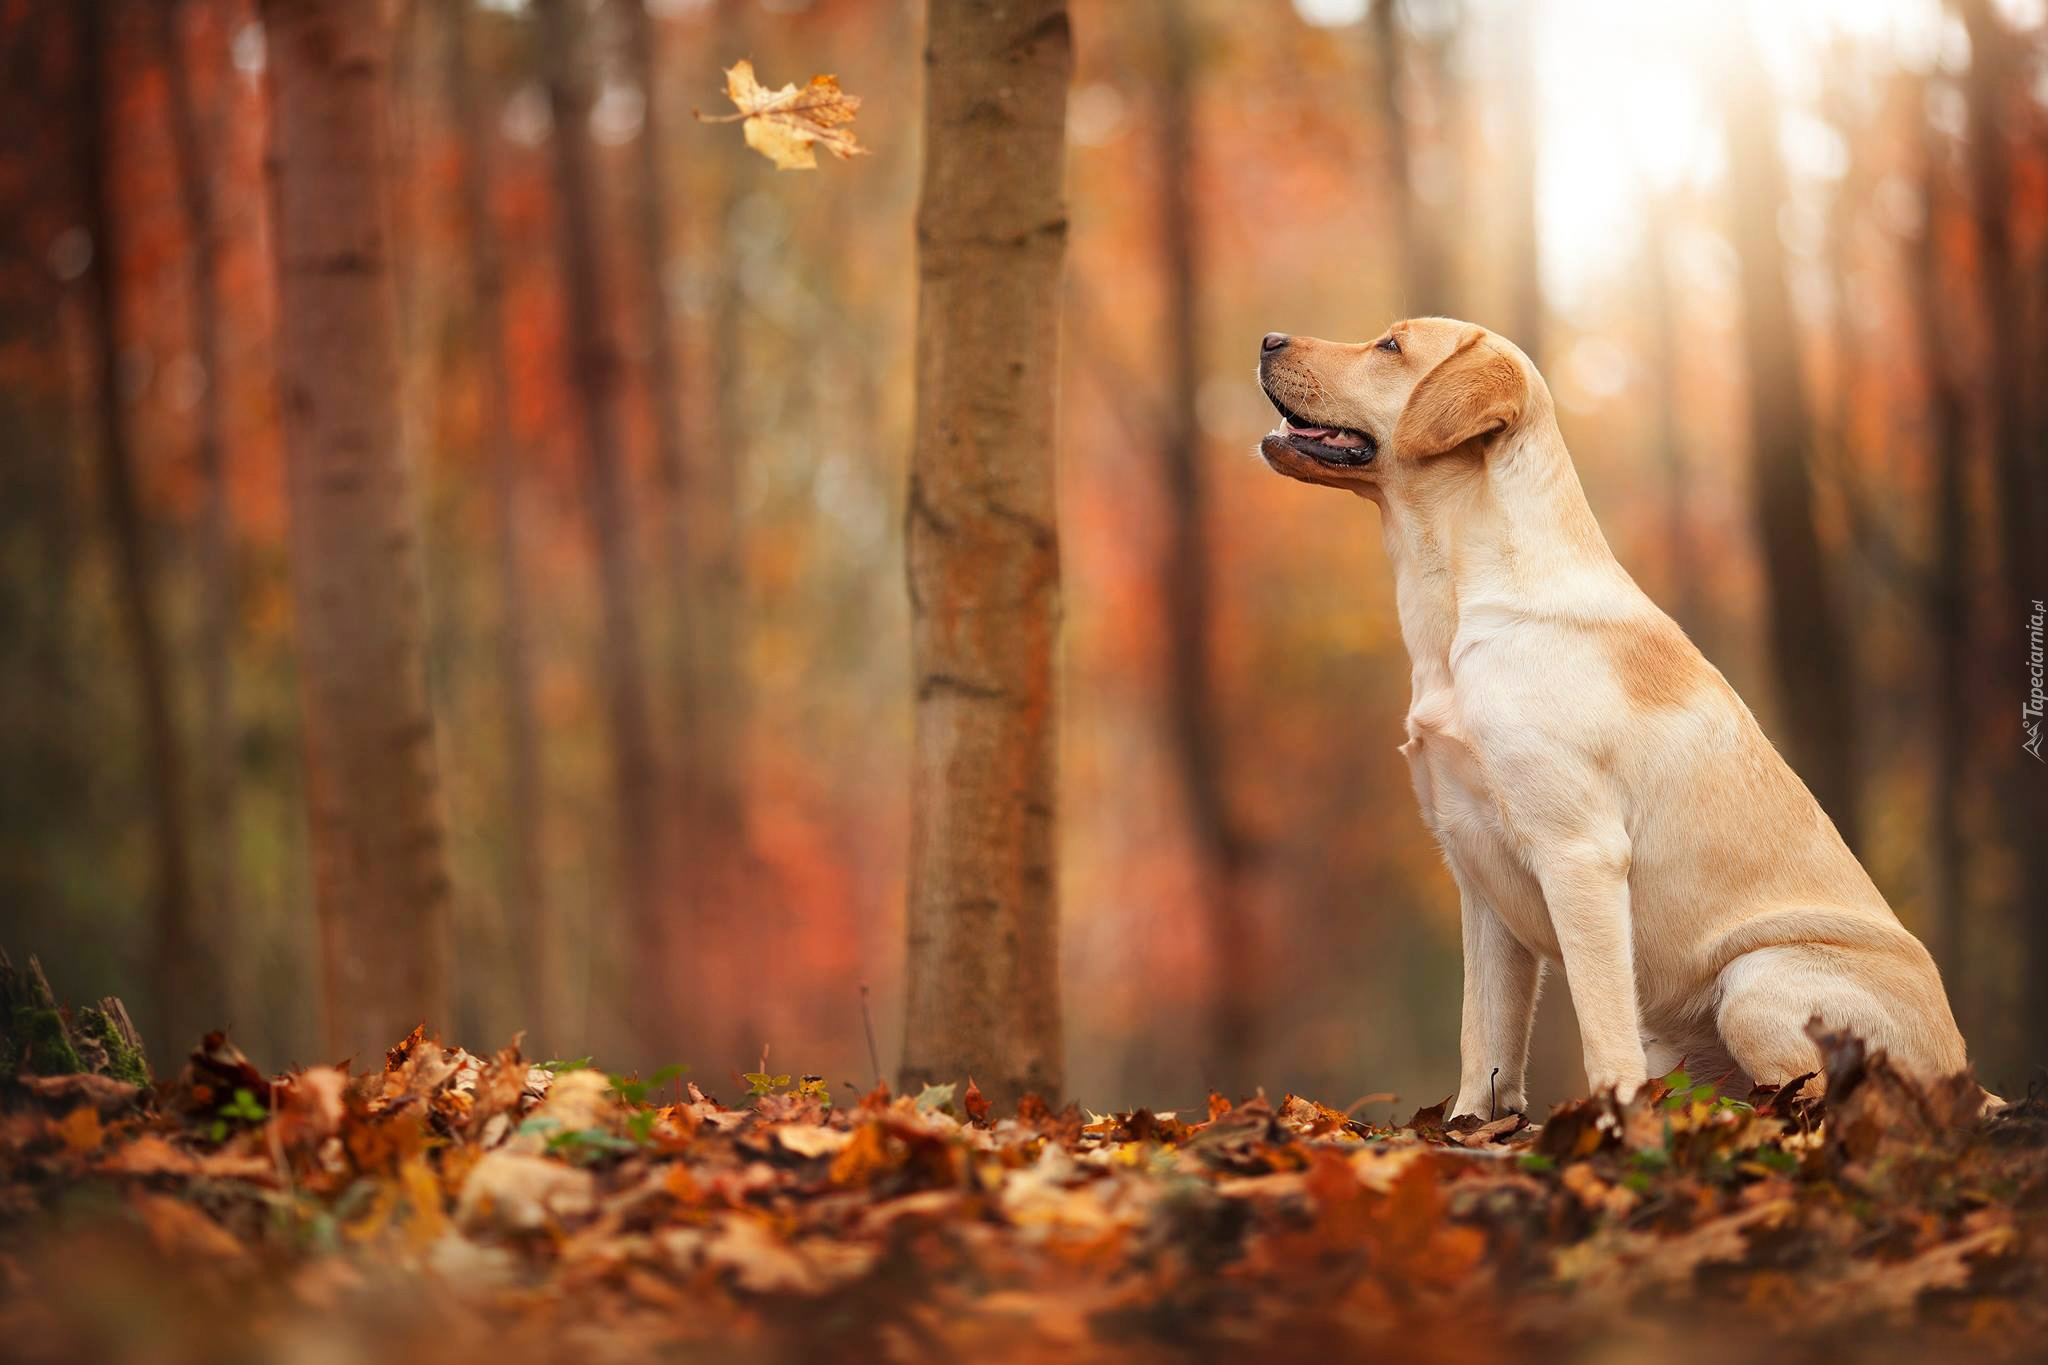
column 1513, row 536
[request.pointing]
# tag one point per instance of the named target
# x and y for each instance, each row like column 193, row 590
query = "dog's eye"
column 1389, row 345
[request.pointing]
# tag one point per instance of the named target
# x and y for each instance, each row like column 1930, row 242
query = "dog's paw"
column 1486, row 1108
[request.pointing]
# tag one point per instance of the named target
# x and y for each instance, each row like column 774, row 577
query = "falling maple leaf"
column 785, row 125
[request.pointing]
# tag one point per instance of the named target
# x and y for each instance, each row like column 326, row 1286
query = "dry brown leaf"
column 149, row 1154
column 1893, row 1287
column 181, row 1232
column 80, row 1129
column 513, row 1192
column 786, row 125
column 812, row 1139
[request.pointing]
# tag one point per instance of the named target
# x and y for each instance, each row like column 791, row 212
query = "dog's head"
column 1381, row 417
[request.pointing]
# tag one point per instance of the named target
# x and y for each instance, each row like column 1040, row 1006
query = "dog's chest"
column 1450, row 786
column 1459, row 806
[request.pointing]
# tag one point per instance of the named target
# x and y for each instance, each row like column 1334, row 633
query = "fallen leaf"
column 80, row 1130
column 812, row 1139
column 511, row 1191
column 180, row 1231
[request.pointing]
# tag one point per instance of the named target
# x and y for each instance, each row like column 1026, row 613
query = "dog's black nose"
column 1274, row 341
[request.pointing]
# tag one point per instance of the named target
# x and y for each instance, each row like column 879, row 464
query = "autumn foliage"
column 437, row 1202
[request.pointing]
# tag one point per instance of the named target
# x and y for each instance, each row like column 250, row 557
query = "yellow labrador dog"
column 1604, row 799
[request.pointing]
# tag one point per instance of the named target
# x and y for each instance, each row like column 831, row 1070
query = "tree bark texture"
column 593, row 380
column 180, row 974
column 983, row 550
column 1808, row 645
column 527, row 914
column 379, row 867
column 1186, row 575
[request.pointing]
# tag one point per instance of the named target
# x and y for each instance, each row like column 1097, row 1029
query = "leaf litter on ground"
column 443, row 1203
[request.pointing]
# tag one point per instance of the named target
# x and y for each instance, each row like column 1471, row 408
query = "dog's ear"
column 1476, row 391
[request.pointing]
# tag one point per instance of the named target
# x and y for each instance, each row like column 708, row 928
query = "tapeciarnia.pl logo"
column 2030, row 710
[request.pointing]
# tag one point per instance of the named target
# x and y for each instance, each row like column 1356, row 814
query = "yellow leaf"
column 785, row 125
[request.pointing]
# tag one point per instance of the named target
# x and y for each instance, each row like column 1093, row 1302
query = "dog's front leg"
column 1585, row 886
column 1501, row 977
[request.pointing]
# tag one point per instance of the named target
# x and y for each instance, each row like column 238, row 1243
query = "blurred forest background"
column 1785, row 266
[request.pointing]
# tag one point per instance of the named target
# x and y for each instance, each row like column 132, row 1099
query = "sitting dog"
column 1604, row 799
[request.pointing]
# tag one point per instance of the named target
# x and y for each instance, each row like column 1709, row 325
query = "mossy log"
column 44, row 1038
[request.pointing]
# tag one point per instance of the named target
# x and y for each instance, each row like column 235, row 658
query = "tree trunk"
column 983, row 550
column 217, row 744
column 181, row 967
column 593, row 381
column 713, row 695
column 532, row 927
column 1808, row 646
column 1660, row 310
column 2019, row 482
column 665, row 388
column 1422, row 278
column 1518, row 186
column 1945, row 595
column 1186, row 574
column 379, row 869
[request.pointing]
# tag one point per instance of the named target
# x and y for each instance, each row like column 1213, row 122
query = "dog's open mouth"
column 1332, row 445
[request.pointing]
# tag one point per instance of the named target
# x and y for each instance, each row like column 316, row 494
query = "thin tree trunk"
column 176, row 950
column 1945, row 595
column 1518, row 187
column 527, row 912
column 1660, row 308
column 593, row 380
column 1808, row 645
column 1422, row 278
column 2019, row 481
column 704, row 679
column 380, row 872
column 665, row 389
column 983, row 550
column 713, row 695
column 1185, row 579
column 189, row 144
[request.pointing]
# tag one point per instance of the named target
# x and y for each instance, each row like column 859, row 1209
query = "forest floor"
column 441, row 1205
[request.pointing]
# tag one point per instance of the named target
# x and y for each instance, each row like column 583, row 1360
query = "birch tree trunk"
column 532, row 927
column 593, row 381
column 983, row 550
column 1186, row 574
column 380, row 876
column 182, row 973
column 1808, row 645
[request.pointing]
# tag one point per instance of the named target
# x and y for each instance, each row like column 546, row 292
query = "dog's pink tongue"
column 1329, row 436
